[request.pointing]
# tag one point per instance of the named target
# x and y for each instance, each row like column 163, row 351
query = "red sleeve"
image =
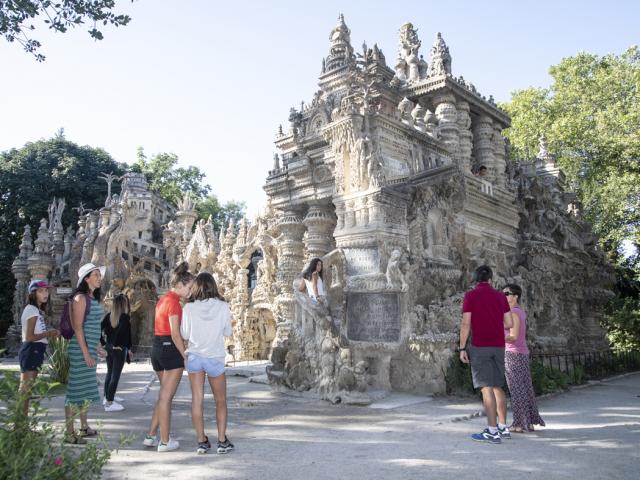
column 467, row 303
column 174, row 308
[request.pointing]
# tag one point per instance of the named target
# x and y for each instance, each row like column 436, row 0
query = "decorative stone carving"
column 410, row 67
column 440, row 58
column 395, row 277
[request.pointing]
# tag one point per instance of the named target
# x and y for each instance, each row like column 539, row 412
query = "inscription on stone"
column 361, row 261
column 373, row 317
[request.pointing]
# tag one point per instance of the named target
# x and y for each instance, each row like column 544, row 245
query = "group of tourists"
column 497, row 325
column 202, row 323
column 493, row 320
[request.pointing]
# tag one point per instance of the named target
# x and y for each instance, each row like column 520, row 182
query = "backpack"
column 66, row 328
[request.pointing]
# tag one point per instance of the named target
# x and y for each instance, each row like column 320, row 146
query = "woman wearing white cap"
column 34, row 337
column 86, row 315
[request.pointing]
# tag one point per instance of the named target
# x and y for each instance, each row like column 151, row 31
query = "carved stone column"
column 483, row 145
column 320, row 222
column 499, row 154
column 447, row 115
column 466, row 136
column 290, row 264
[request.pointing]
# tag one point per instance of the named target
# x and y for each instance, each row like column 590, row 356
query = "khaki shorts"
column 487, row 366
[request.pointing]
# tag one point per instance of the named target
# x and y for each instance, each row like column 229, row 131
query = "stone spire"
column 440, row 58
column 41, row 262
column 341, row 51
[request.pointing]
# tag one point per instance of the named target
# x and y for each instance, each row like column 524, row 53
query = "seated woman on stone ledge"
column 313, row 284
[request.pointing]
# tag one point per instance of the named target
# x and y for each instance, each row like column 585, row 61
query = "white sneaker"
column 114, row 407
column 170, row 445
column 150, row 441
column 118, row 399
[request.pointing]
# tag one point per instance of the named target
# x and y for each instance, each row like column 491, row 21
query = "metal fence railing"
column 594, row 364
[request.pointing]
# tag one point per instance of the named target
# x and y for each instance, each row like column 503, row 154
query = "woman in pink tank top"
column 517, row 370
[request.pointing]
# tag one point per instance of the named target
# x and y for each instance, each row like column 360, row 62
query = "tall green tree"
column 168, row 180
column 590, row 116
column 17, row 19
column 220, row 215
column 29, row 178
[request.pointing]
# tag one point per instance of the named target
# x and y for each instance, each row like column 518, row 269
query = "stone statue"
column 109, row 178
column 409, row 67
column 395, row 277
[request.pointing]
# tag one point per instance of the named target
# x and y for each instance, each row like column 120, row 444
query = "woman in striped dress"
column 82, row 389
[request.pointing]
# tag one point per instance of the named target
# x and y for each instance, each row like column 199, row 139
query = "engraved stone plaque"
column 373, row 317
column 361, row 261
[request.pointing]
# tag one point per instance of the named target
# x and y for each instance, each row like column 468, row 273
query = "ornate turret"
column 440, row 58
column 341, row 51
column 41, row 262
column 20, row 270
column 186, row 215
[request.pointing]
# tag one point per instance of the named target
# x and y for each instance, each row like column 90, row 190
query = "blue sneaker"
column 504, row 433
column 487, row 436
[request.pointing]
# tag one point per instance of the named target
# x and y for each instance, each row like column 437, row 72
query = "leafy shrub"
column 547, row 380
column 59, row 359
column 31, row 448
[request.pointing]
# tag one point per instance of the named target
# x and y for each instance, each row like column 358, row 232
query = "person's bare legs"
column 489, row 402
column 170, row 381
column 70, row 412
column 27, row 380
column 153, row 428
column 219, row 389
column 501, row 405
column 197, row 398
column 83, row 419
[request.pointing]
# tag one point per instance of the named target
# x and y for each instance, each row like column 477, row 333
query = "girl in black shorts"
column 34, row 338
column 167, row 356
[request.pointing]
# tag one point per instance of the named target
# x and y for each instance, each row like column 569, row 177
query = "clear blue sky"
column 211, row 81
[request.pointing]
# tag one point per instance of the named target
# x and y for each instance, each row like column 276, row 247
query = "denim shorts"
column 197, row 364
column 31, row 356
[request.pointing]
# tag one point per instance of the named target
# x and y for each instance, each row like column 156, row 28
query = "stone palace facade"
column 380, row 176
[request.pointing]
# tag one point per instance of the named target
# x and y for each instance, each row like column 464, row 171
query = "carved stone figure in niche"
column 395, row 277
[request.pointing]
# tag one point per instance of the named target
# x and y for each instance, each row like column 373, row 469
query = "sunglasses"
column 509, row 293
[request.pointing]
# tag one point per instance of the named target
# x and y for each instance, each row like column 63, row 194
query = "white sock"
column 493, row 430
column 502, row 426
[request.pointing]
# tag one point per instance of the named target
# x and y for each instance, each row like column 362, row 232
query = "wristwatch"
column 463, row 349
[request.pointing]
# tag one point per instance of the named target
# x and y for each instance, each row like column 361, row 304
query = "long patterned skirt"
column 523, row 398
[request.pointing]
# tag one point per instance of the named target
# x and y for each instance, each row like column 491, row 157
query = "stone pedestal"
column 290, row 264
column 320, row 223
column 499, row 154
column 447, row 116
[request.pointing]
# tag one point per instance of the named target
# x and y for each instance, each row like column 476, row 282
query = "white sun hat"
column 86, row 269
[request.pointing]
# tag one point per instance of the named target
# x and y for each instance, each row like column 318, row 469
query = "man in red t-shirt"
column 485, row 314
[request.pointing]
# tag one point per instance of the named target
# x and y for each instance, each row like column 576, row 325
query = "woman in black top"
column 116, row 339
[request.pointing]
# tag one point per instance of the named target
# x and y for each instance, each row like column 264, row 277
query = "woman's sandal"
column 74, row 439
column 88, row 432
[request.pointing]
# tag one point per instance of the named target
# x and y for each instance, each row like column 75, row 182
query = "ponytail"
column 181, row 274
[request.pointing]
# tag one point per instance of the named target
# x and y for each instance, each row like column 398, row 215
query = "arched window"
column 252, row 276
